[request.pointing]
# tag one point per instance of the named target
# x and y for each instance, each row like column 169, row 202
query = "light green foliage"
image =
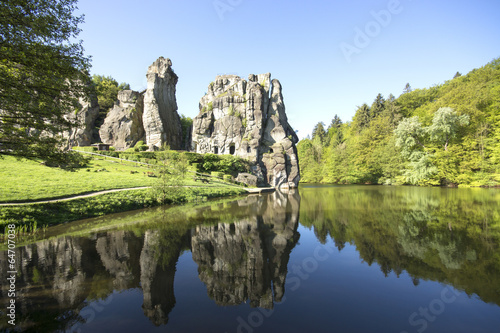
column 446, row 134
column 140, row 146
column 409, row 136
column 107, row 90
column 170, row 170
column 43, row 73
column 210, row 106
column 445, row 125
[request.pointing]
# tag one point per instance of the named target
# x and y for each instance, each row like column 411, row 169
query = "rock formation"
column 85, row 117
column 150, row 116
column 161, row 120
column 123, row 126
column 247, row 119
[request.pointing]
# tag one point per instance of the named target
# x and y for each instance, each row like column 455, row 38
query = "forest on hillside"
column 447, row 135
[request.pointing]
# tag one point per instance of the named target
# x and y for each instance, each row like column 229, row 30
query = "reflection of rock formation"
column 117, row 256
column 248, row 259
column 157, row 280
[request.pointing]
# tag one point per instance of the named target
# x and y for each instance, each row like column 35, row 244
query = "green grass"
column 26, row 180
column 29, row 219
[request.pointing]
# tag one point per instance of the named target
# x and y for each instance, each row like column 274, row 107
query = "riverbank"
column 32, row 217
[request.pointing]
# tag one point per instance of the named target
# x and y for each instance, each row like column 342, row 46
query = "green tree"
column 186, row 125
column 378, row 106
column 107, row 90
column 334, row 132
column 43, row 74
column 319, row 132
column 170, row 170
column 407, row 89
column 362, row 117
column 445, row 125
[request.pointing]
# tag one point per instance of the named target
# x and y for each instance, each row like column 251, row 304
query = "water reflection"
column 446, row 235
column 248, row 260
column 243, row 256
column 242, row 248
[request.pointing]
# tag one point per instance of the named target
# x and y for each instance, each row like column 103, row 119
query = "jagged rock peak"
column 162, row 67
column 162, row 123
column 248, row 119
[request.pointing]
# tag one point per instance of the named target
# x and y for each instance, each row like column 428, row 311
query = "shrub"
column 217, row 174
column 228, row 178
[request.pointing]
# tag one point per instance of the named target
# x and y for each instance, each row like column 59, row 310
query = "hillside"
column 448, row 134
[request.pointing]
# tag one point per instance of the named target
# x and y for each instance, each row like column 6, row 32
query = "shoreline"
column 31, row 217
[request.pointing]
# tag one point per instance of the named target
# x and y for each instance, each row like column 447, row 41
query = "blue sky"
column 330, row 56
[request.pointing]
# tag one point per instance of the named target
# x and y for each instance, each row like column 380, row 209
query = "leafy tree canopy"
column 43, row 76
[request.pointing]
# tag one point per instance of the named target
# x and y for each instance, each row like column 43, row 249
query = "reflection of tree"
column 444, row 235
column 247, row 260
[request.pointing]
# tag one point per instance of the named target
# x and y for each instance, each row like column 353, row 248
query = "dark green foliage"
column 43, row 73
column 443, row 135
column 319, row 132
column 186, row 125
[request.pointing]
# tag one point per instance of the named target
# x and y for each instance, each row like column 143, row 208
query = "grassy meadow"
column 27, row 180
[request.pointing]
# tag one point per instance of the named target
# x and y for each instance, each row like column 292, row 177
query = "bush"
column 193, row 157
column 217, row 174
column 228, row 178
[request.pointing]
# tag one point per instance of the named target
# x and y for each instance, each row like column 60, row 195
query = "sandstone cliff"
column 150, row 116
column 85, row 117
column 161, row 120
column 247, row 119
column 123, row 126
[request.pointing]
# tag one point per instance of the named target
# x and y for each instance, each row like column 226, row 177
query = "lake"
column 320, row 259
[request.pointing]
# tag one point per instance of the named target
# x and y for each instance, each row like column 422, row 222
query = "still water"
column 323, row 259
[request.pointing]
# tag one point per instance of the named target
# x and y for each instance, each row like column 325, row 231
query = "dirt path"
column 93, row 194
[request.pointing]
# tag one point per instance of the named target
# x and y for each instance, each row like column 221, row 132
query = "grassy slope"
column 26, row 180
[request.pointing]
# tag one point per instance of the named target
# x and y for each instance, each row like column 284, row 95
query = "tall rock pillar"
column 162, row 124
